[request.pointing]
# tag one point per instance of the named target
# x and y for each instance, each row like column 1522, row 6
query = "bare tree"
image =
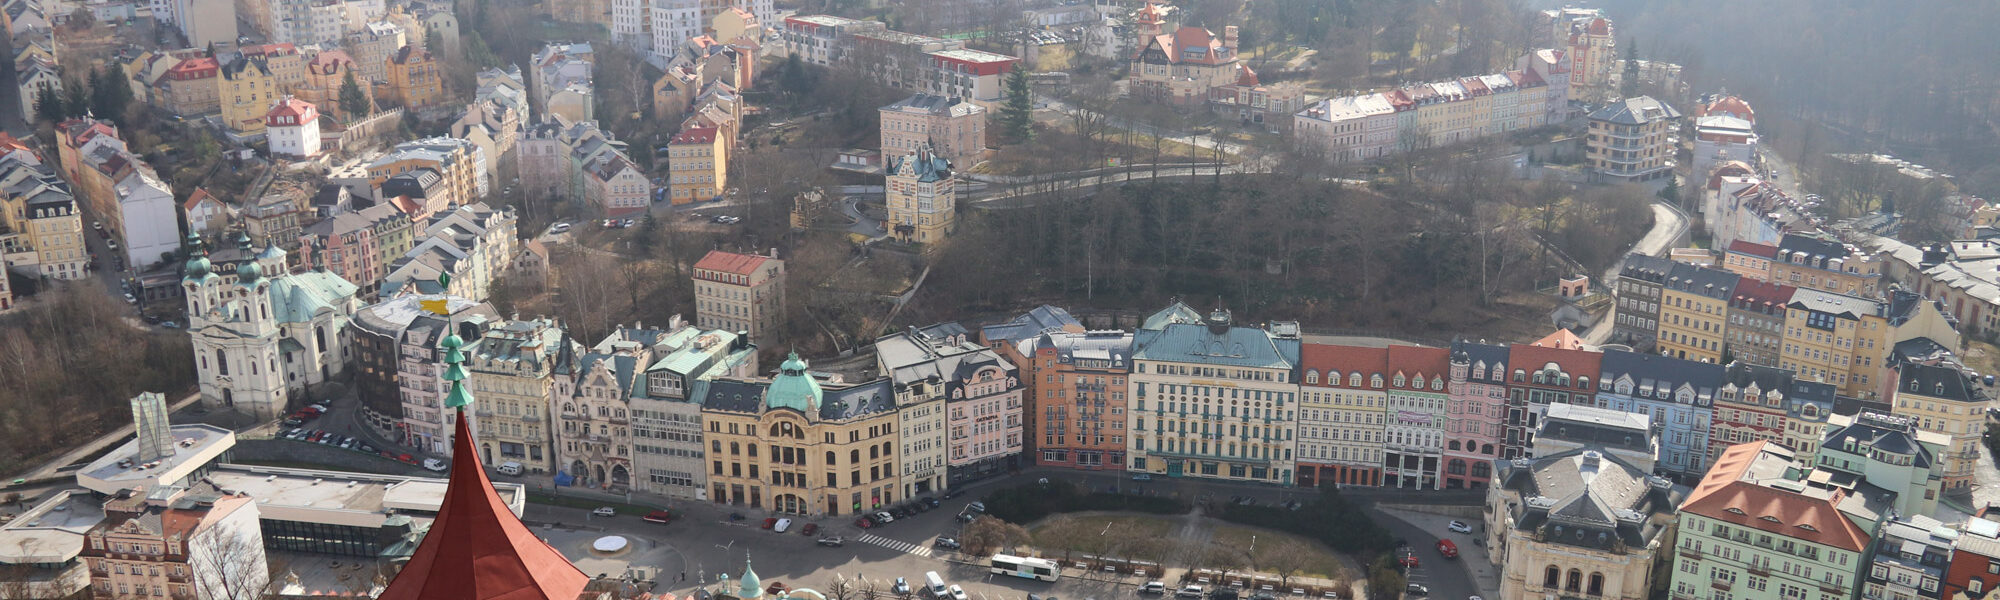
column 988, row 535
column 870, row 590
column 841, row 588
column 1284, row 558
column 227, row 562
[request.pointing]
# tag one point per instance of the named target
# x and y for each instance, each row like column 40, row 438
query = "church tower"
column 202, row 285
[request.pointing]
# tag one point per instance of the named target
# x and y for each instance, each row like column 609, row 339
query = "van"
column 934, row 585
column 510, row 468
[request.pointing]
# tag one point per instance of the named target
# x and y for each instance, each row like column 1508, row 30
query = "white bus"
column 1027, row 568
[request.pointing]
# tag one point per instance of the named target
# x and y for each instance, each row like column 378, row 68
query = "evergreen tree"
column 48, row 105
column 108, row 94
column 76, row 100
column 1017, row 115
column 434, row 42
column 1630, row 86
column 793, row 77
column 478, row 53
column 352, row 101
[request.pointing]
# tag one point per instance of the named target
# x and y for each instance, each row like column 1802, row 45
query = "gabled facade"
column 1216, row 400
column 1677, row 395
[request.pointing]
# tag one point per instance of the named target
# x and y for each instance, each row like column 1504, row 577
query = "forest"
column 1437, row 260
column 70, row 361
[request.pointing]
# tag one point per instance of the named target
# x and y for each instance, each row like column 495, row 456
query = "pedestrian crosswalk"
column 897, row 545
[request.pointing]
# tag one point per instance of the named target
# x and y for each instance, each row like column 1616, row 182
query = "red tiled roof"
column 1753, row 249
column 1727, row 495
column 293, row 107
column 1245, row 77
column 195, row 198
column 1412, row 361
column 1562, row 338
column 697, row 135
column 1330, row 358
column 1600, row 26
column 1762, row 295
column 477, row 549
column 1528, row 357
column 731, row 262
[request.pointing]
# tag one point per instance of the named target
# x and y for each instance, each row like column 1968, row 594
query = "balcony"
column 1721, row 584
column 1691, row 553
column 1759, row 570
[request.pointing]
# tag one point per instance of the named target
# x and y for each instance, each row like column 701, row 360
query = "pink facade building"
column 1476, row 415
column 954, row 127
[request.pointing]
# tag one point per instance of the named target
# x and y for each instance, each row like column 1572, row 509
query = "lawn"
column 1322, row 562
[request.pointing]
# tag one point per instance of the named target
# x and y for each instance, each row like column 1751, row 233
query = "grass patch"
column 1318, row 562
column 1126, row 526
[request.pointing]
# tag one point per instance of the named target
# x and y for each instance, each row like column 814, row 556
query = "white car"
column 957, row 593
column 1189, row 591
column 884, row 517
column 434, row 465
column 1458, row 526
column 783, row 524
column 604, row 511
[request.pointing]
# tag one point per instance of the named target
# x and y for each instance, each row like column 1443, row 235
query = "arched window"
column 735, row 449
column 874, row 452
column 1551, row 577
column 1354, row 380
column 1582, row 383
column 1312, row 376
column 854, row 456
column 831, row 459
column 1575, row 581
column 1596, row 584
column 1454, row 445
column 1376, row 381
column 221, row 362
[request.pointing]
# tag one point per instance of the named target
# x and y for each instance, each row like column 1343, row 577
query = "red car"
column 810, row 528
column 1448, row 549
column 771, row 522
column 407, row 458
column 658, row 516
column 864, row 523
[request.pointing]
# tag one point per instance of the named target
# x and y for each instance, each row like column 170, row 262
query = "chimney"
column 1229, row 38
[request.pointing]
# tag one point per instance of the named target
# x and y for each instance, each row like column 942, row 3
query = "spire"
column 477, row 549
column 454, row 371
column 197, row 267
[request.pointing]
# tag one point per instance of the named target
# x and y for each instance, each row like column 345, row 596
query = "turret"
column 199, row 281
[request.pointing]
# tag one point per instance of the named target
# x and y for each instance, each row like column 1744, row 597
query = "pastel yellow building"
column 414, row 75
column 246, row 92
column 795, row 445
column 697, row 165
column 1694, row 312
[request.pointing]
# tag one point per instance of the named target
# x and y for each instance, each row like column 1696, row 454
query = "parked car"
column 976, row 507
column 932, row 502
column 782, row 526
column 1447, row 548
column 883, row 517
column 864, row 522
column 348, row 443
column 364, row 447
column 292, row 422
column 1189, row 591
column 901, row 587
column 1417, row 589
column 949, row 494
column 770, row 522
column 834, row 542
column 433, row 464
column 405, row 457
column 809, row 529
column 97, row 225
column 1459, row 527
column 1153, row 587
column 1143, row 477
column 559, row 228
column 658, row 516
column 112, row 244
column 604, row 511
column 957, row 593
column 946, row 543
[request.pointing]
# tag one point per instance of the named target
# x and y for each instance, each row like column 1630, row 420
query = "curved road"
column 1669, row 224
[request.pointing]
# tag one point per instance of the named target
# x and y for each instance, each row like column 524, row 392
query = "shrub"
column 1331, row 519
column 1030, row 502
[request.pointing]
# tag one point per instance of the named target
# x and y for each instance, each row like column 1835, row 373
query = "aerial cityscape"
column 999, row 300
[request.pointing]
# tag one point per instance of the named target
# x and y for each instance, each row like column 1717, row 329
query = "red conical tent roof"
column 478, row 550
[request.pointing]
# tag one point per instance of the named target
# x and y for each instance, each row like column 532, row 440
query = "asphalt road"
column 1446, row 578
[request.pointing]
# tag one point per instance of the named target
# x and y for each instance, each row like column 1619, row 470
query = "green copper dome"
column 794, row 388
column 248, row 272
column 197, row 263
column 750, row 586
